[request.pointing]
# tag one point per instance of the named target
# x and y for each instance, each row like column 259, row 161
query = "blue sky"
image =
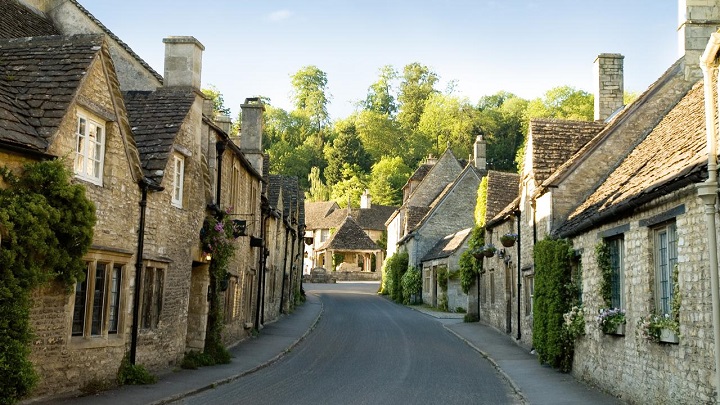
column 522, row 46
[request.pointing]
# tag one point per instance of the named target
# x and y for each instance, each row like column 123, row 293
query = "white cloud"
column 279, row 15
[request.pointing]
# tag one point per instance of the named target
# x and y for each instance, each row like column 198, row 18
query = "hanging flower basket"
column 478, row 253
column 489, row 250
column 508, row 240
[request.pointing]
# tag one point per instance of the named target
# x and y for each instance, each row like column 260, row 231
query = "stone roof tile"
column 502, row 189
column 17, row 21
column 317, row 211
column 372, row 218
column 349, row 237
column 447, row 245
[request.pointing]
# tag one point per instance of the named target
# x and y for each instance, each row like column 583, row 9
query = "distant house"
column 349, row 250
column 444, row 256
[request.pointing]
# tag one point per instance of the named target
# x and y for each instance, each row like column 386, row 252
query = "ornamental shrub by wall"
column 553, row 297
column 411, row 285
column 395, row 268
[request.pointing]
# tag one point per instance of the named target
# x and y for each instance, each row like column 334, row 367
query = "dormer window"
column 89, row 149
column 178, row 179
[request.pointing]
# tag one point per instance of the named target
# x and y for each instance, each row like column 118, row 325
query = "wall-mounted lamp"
column 208, row 257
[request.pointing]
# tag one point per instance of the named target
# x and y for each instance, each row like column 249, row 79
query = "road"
column 369, row 350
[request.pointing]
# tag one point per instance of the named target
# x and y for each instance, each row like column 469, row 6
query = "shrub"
column 471, row 318
column 442, row 280
column 469, row 266
column 194, row 359
column 411, row 285
column 395, row 268
column 134, row 374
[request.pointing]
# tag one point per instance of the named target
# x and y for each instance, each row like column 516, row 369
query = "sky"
column 525, row 47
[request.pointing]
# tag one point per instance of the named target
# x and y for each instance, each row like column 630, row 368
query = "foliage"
column 47, row 227
column 574, row 322
column 350, row 189
column 380, row 97
column 442, row 280
column 418, row 83
column 411, row 285
column 552, row 300
column 217, row 238
column 309, row 88
column 602, row 256
column 449, row 120
column 218, row 100
column 395, row 267
column 481, row 202
column 471, row 318
column 387, row 178
column 508, row 238
column 195, row 359
column 504, row 124
column 346, row 151
column 609, row 319
column 318, row 190
column 134, row 374
column 649, row 327
column 469, row 266
column 563, row 102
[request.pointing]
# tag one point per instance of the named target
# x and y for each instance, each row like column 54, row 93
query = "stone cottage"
column 445, row 257
column 350, row 250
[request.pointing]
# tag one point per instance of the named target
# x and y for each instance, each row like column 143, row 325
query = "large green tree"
column 449, row 120
column 563, row 102
column 380, row 98
column 387, row 178
column 418, row 83
column 503, row 124
column 310, row 95
column 346, row 149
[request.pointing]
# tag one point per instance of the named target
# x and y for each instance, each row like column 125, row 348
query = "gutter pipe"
column 707, row 191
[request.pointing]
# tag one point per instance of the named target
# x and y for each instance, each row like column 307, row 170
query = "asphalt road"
column 368, row 350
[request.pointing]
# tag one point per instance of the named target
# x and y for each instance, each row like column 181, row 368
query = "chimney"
column 431, row 160
column 480, row 155
column 183, row 62
column 251, row 131
column 224, row 122
column 697, row 19
column 608, row 69
column 365, row 200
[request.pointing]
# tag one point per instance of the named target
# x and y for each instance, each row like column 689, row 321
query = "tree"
column 501, row 117
column 563, row 102
column 350, row 188
column 318, row 190
column 346, row 149
column 297, row 161
column 309, row 88
column 387, row 178
column 417, row 85
column 214, row 94
column 449, row 120
column 380, row 98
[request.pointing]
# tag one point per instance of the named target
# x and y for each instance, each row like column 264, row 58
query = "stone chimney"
column 431, row 160
column 697, row 19
column 365, row 200
column 183, row 62
column 251, row 132
column 480, row 153
column 608, row 70
column 224, row 122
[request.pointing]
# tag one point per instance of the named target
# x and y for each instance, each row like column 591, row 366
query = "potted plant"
column 508, row 240
column 657, row 328
column 574, row 322
column 612, row 321
column 478, row 252
column 489, row 250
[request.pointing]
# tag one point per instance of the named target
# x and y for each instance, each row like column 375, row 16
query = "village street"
column 369, row 350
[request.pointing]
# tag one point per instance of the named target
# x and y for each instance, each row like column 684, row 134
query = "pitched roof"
column 17, row 20
column 502, row 216
column 555, row 141
column 275, row 184
column 502, row 189
column 317, row 211
column 372, row 218
column 39, row 79
column 670, row 157
column 415, row 216
column 349, row 237
column 421, row 171
column 447, row 245
column 290, row 194
column 156, row 117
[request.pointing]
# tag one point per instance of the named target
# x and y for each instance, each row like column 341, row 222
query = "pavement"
column 534, row 383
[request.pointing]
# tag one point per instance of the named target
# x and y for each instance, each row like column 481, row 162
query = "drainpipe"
column 291, row 296
column 220, row 148
column 708, row 190
column 519, row 284
column 144, row 186
column 260, row 300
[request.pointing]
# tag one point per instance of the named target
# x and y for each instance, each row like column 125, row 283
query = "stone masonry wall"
column 637, row 370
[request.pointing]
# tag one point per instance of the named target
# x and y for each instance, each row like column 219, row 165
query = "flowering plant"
column 489, row 250
column 610, row 318
column 650, row 327
column 508, row 239
column 217, row 236
column 574, row 322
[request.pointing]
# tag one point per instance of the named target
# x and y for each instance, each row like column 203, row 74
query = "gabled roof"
column 350, row 237
column 372, row 218
column 39, row 79
column 447, row 246
column 670, row 157
column 555, row 141
column 504, row 214
column 502, row 189
column 275, row 186
column 421, row 171
column 156, row 118
column 415, row 216
column 317, row 211
column 17, row 21
column 290, row 194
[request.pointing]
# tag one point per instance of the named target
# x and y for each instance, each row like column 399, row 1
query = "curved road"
column 369, row 350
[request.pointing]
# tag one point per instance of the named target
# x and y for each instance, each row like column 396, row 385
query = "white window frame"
column 665, row 255
column 89, row 151
column 178, row 180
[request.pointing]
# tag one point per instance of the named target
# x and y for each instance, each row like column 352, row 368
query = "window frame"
column 663, row 266
column 154, row 272
column 83, row 156
column 616, row 248
column 178, row 179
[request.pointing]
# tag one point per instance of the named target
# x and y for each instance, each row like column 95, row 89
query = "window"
column 617, row 279
column 665, row 254
column 89, row 149
column 151, row 293
column 96, row 310
column 492, row 286
column 231, row 299
column 178, row 177
column 324, row 235
column 529, row 293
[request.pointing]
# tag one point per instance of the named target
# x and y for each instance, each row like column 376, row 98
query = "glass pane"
column 147, row 287
column 663, row 273
column 78, row 324
column 81, row 126
column 98, row 299
column 615, row 246
column 114, row 299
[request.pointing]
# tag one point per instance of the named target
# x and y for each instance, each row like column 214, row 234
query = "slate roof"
column 290, row 194
column 349, row 237
column 374, row 217
column 39, row 78
column 415, row 216
column 156, row 118
column 671, row 156
column 274, row 187
column 508, row 211
column 421, row 172
column 555, row 141
column 17, row 21
column 447, row 246
column 317, row 211
column 502, row 189
column 266, row 173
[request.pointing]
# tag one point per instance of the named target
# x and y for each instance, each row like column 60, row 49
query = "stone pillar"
column 697, row 19
column 183, row 62
column 609, row 91
column 251, row 132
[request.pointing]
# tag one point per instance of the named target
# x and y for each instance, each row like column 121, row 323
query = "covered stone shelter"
column 355, row 247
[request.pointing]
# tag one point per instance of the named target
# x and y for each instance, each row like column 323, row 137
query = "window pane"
column 78, row 324
column 146, row 320
column 663, row 272
column 114, row 298
column 616, row 251
column 98, row 299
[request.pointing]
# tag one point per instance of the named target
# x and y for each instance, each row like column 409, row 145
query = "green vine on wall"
column 553, row 298
column 395, row 267
column 411, row 285
column 469, row 266
column 46, row 224
column 602, row 256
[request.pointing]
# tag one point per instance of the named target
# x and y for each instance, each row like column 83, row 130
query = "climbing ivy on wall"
column 46, row 224
column 553, row 297
column 469, row 265
column 481, row 202
column 395, row 267
column 602, row 255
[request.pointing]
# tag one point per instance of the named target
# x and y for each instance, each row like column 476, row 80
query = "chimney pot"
column 480, row 153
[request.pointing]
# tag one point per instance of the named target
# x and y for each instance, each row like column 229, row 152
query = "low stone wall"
column 356, row 275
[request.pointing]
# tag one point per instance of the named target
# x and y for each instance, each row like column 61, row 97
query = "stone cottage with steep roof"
column 445, row 256
column 349, row 249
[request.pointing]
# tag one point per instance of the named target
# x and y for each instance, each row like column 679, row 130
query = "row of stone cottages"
column 641, row 182
column 156, row 164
